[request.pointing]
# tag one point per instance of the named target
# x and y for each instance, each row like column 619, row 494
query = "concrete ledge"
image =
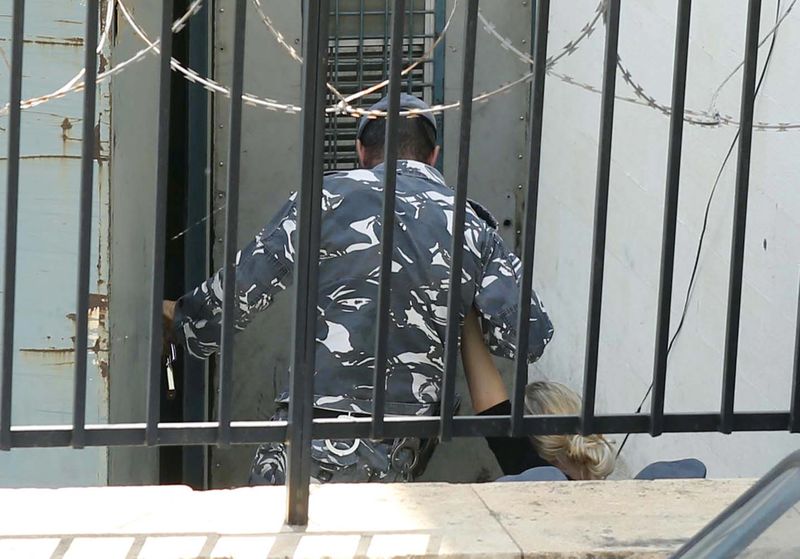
column 533, row 520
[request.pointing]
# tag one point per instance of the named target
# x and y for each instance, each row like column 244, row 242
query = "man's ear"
column 433, row 157
column 362, row 154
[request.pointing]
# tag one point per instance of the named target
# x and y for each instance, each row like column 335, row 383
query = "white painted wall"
column 638, row 177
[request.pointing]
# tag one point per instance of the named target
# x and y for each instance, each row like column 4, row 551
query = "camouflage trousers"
column 340, row 461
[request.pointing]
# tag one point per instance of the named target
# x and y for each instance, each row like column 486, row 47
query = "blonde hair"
column 592, row 456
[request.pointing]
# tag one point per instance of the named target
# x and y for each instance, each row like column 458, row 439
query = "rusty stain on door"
column 50, row 176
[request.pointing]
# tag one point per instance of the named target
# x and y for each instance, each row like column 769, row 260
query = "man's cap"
column 407, row 103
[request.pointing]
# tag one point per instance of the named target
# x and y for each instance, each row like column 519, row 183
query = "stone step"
column 532, row 520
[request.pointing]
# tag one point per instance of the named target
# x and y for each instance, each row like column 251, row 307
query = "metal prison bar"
column 387, row 231
column 301, row 427
column 670, row 216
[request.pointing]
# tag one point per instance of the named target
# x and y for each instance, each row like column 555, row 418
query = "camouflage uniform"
column 348, row 291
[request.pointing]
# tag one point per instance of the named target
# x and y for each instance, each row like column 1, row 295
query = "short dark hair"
column 416, row 139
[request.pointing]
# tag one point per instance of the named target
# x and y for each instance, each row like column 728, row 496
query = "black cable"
column 690, row 288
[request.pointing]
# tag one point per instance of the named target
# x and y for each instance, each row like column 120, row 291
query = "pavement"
column 607, row 519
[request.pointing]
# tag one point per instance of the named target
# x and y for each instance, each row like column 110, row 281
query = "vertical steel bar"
column 600, row 214
column 670, row 215
column 794, row 412
column 309, row 204
column 740, row 215
column 12, row 202
column 454, row 303
column 386, row 19
column 539, row 52
column 335, row 138
column 229, row 294
column 162, row 164
column 85, row 223
column 362, row 52
column 410, row 39
column 440, row 16
column 196, row 240
column 387, row 218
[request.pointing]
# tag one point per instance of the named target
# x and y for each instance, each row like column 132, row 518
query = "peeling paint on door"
column 48, row 246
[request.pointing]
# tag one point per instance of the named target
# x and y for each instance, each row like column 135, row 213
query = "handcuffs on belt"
column 412, row 444
column 396, row 461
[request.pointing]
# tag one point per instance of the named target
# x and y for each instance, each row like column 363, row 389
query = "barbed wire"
column 343, row 106
column 345, row 101
column 108, row 19
column 194, row 77
column 74, row 85
column 689, row 116
column 216, row 87
column 642, row 98
column 569, row 48
column 277, row 34
column 710, row 117
column 427, row 56
column 294, row 55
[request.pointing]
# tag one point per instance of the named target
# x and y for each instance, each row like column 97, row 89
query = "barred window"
column 359, row 58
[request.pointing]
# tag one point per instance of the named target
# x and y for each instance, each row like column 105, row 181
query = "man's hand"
column 167, row 347
column 168, row 313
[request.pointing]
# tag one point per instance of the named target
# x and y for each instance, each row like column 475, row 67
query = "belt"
column 322, row 413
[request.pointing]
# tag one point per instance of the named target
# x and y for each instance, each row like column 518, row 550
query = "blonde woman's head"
column 579, row 457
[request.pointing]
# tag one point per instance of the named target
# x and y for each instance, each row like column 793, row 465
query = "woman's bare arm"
column 486, row 388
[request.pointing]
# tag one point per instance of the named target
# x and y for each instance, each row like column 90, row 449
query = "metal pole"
column 85, row 223
column 196, row 240
column 539, row 44
column 600, row 215
column 315, row 52
column 231, row 227
column 12, row 202
column 440, row 10
column 670, row 216
column 794, row 415
column 740, row 215
column 454, row 318
column 410, row 39
column 162, row 168
column 387, row 223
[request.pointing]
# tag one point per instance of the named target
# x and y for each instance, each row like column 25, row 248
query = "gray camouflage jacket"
column 348, row 288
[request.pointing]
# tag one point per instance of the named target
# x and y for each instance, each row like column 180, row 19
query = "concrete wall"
column 44, row 351
column 638, row 174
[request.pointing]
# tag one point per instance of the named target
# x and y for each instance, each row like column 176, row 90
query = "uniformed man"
column 349, row 268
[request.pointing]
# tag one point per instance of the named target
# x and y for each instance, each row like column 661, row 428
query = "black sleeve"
column 514, row 455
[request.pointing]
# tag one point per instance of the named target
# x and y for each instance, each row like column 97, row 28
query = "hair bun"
column 581, row 448
column 593, row 452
